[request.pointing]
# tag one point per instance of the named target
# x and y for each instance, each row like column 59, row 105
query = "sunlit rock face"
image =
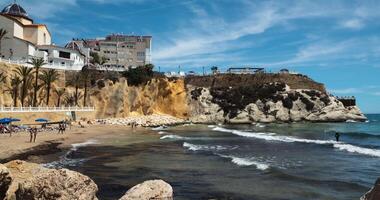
column 159, row 96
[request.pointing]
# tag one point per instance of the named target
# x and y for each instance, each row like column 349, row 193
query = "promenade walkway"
column 45, row 109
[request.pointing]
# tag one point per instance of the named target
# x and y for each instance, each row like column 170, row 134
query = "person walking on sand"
column 337, row 136
column 35, row 135
column 31, row 134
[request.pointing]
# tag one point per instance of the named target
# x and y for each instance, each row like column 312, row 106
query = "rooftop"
column 15, row 10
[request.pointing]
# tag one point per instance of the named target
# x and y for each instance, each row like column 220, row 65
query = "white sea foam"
column 162, row 132
column 176, row 137
column 270, row 137
column 159, row 128
column 83, row 144
column 65, row 160
column 211, row 126
column 356, row 149
column 260, row 125
column 351, row 121
column 195, row 147
column 246, row 162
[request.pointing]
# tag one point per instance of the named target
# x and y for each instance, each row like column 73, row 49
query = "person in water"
column 337, row 136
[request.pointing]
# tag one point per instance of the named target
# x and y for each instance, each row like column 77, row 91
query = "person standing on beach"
column 31, row 134
column 34, row 134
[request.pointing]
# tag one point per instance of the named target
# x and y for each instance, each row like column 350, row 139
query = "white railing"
column 45, row 109
column 75, row 67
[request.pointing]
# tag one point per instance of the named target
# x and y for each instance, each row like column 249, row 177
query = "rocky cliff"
column 230, row 98
column 158, row 96
column 270, row 102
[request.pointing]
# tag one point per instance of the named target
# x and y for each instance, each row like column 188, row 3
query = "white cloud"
column 353, row 24
column 209, row 32
column 346, row 91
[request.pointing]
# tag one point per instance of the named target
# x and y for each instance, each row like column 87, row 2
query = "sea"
column 295, row 161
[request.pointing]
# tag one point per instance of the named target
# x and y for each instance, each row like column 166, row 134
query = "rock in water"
column 154, row 189
column 32, row 181
column 374, row 193
column 5, row 180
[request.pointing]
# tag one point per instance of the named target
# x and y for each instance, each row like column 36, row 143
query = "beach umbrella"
column 41, row 120
column 5, row 121
column 8, row 120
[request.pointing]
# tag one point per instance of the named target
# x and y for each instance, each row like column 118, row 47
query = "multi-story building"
column 121, row 51
column 25, row 40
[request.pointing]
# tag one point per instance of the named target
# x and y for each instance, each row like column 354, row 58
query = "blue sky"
column 334, row 42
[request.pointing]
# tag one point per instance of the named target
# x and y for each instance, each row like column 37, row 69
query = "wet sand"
column 19, row 147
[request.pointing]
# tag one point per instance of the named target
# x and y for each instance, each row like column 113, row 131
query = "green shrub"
column 139, row 75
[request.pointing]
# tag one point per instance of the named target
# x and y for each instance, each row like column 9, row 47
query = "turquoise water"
column 273, row 161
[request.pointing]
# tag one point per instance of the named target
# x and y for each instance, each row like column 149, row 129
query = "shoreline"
column 18, row 147
column 49, row 143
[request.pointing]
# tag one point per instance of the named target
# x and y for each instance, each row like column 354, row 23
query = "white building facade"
column 121, row 51
column 26, row 40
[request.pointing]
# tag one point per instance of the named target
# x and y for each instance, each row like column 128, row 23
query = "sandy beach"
column 18, row 144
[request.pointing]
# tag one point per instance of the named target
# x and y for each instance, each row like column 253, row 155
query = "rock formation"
column 154, row 189
column 272, row 102
column 5, row 180
column 374, row 193
column 31, row 181
column 230, row 98
column 159, row 96
column 20, row 180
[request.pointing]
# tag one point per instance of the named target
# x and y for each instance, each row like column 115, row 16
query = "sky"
column 334, row 42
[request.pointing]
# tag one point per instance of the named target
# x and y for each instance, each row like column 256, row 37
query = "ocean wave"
column 66, row 161
column 270, row 137
column 355, row 149
column 246, row 162
column 83, row 144
column 211, row 126
column 162, row 132
column 260, row 125
column 176, row 137
column 196, row 147
column 159, row 128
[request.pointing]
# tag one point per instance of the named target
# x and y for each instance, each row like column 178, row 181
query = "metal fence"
column 53, row 65
column 45, row 109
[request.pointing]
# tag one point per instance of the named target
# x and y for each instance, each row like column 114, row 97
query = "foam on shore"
column 272, row 137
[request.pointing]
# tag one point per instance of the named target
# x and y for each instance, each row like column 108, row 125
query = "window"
column 63, row 54
column 44, row 38
column 140, row 54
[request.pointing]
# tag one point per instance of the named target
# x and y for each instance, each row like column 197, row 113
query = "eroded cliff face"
column 273, row 102
column 159, row 96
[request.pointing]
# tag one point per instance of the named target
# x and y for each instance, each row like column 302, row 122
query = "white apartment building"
column 122, row 51
column 25, row 40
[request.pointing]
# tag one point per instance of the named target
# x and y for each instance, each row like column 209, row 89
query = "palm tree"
column 3, row 32
column 48, row 77
column 75, row 81
column 69, row 99
column 3, row 79
column 85, row 76
column 60, row 93
column 37, row 64
column 25, row 75
column 15, row 84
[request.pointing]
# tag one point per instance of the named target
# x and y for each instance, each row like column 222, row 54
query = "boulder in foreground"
column 5, row 180
column 154, row 189
column 374, row 193
column 32, row 181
